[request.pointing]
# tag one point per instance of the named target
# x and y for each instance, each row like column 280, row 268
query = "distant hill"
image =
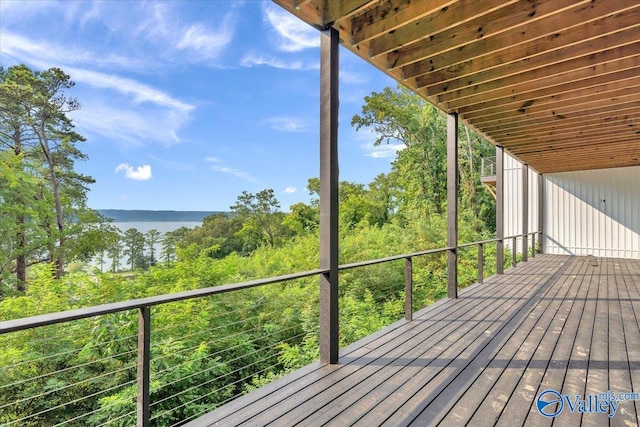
column 121, row 215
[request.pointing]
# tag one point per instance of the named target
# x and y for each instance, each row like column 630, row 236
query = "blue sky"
column 185, row 104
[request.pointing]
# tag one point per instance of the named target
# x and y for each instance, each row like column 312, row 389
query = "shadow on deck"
column 554, row 323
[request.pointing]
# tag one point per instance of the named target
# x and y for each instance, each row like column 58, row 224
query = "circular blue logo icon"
column 550, row 403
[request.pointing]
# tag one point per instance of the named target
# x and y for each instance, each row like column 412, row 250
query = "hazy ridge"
column 122, row 215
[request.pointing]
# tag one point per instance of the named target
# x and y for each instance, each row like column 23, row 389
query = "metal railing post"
column 408, row 288
column 480, row 263
column 143, row 364
column 514, row 252
column 533, row 245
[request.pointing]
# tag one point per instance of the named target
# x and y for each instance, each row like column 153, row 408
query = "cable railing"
column 224, row 341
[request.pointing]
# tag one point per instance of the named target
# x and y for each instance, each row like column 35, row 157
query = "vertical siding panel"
column 587, row 212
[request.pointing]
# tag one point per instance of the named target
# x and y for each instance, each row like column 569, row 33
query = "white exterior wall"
column 593, row 213
column 513, row 201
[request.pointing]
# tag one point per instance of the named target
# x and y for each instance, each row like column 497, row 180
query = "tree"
column 260, row 217
column 400, row 116
column 34, row 128
column 217, row 237
column 114, row 251
column 152, row 238
column 133, row 241
column 417, row 181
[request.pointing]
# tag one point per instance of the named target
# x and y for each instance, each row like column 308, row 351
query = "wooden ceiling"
column 556, row 82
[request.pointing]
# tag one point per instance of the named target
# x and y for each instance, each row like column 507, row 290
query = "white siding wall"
column 513, row 201
column 593, row 213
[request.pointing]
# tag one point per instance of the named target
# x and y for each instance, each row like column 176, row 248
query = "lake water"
column 143, row 227
column 161, row 226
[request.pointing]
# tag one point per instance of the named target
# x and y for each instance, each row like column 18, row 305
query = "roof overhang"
column 555, row 82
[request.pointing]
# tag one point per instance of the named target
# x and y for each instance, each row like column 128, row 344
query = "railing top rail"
column 14, row 325
column 482, row 242
column 392, row 258
column 83, row 313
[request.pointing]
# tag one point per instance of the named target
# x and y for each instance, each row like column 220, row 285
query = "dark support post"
column 541, row 211
column 525, row 212
column 408, row 288
column 329, row 195
column 514, row 252
column 144, row 362
column 500, row 209
column 480, row 263
column 452, row 205
column 533, row 245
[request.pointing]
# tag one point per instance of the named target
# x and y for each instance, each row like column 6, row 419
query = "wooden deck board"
column 503, row 373
column 554, row 322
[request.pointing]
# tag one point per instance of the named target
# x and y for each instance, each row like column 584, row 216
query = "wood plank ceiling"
column 556, row 82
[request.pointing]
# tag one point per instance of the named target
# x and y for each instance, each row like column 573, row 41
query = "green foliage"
column 207, row 351
column 42, row 196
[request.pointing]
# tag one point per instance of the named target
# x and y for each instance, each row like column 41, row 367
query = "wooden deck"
column 568, row 324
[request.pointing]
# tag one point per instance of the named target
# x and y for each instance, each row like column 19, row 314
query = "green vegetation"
column 206, row 351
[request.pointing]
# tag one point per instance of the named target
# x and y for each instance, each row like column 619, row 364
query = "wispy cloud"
column 286, row 124
column 290, row 190
column 141, row 173
column 218, row 165
column 140, row 92
column 351, row 77
column 383, row 151
column 367, row 138
column 180, row 39
column 293, row 34
column 45, row 54
column 253, row 59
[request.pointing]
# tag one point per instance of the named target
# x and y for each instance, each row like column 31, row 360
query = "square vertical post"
column 143, row 365
column 329, row 195
column 452, row 205
column 408, row 288
column 500, row 209
column 533, row 245
column 541, row 212
column 525, row 212
column 480, row 263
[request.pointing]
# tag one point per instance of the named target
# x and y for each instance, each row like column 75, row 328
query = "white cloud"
column 120, row 108
column 351, row 77
column 205, row 43
column 293, row 34
column 367, row 138
column 383, row 151
column 45, row 54
column 141, row 173
column 129, row 124
column 138, row 91
column 286, row 124
column 290, row 190
column 178, row 39
column 219, row 166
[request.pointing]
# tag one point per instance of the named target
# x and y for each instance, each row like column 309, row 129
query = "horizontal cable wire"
column 226, row 337
column 99, row 344
column 241, row 380
column 70, row 402
column 220, row 377
column 67, row 369
column 88, row 380
column 102, row 408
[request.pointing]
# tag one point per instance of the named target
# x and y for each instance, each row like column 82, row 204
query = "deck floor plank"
column 619, row 367
column 485, row 406
column 630, row 318
column 555, row 322
column 434, row 411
